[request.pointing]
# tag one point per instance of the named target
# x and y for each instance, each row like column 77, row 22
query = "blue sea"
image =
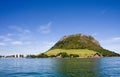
column 62, row 67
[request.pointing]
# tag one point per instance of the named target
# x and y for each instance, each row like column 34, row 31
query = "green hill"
column 80, row 44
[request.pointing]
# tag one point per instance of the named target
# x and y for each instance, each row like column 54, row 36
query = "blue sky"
column 33, row 26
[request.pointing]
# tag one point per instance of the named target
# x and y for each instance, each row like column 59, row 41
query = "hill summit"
column 81, row 41
column 77, row 41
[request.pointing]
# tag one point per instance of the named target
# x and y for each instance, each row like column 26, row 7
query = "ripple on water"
column 103, row 67
column 33, row 74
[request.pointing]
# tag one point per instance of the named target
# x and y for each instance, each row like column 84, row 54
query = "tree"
column 63, row 54
column 42, row 55
column 30, row 56
column 74, row 55
column 52, row 56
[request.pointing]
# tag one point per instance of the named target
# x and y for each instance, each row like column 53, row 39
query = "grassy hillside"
column 80, row 41
column 81, row 52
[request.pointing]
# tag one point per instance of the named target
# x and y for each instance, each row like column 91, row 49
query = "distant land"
column 77, row 45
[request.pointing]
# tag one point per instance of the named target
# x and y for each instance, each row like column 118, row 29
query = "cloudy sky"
column 33, row 26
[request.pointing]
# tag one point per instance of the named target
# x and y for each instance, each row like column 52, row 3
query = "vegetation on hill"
column 77, row 41
column 80, row 41
column 77, row 45
column 81, row 52
column 63, row 53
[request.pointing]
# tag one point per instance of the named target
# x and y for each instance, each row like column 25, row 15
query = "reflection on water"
column 78, row 67
column 47, row 67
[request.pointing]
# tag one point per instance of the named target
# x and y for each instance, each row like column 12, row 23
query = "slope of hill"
column 79, row 44
column 81, row 52
column 78, row 41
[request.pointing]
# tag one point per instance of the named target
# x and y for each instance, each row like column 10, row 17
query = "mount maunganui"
column 80, row 44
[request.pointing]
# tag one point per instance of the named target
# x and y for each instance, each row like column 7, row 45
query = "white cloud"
column 26, row 31
column 1, row 37
column 48, row 44
column 25, row 37
column 16, row 42
column 112, row 44
column 94, row 34
column 20, row 33
column 27, row 43
column 112, row 47
column 111, row 40
column 2, row 44
column 7, row 39
column 116, row 39
column 20, row 42
column 19, row 29
column 45, row 29
column 16, row 28
column 10, row 34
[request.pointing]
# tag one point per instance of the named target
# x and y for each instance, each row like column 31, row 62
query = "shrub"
column 74, row 55
column 63, row 54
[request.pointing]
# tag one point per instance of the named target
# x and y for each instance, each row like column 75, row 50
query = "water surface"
column 51, row 67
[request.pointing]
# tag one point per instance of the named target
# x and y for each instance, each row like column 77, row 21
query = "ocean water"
column 52, row 67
